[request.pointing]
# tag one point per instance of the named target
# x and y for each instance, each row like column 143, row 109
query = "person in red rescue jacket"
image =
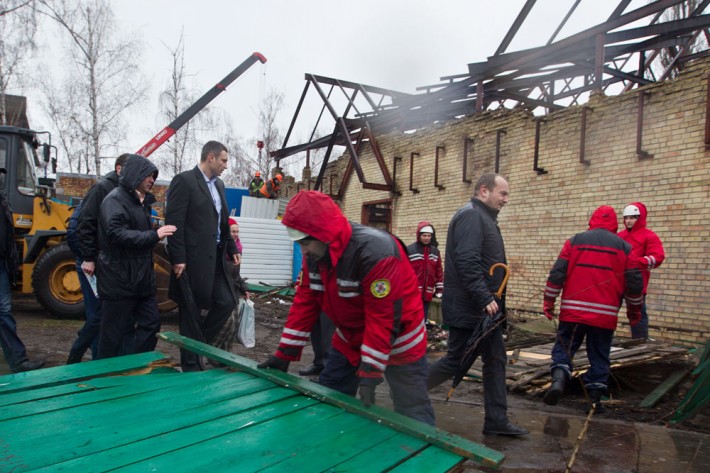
column 593, row 272
column 426, row 260
column 361, row 278
column 646, row 250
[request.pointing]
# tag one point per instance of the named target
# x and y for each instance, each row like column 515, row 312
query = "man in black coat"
column 12, row 347
column 87, row 237
column 197, row 206
column 125, row 275
column 474, row 244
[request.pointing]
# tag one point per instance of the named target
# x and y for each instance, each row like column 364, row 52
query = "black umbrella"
column 192, row 315
column 487, row 325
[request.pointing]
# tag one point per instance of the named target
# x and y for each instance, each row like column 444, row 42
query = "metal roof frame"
column 541, row 79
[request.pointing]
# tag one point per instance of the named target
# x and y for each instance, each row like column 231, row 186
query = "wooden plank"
column 440, row 438
column 254, row 446
column 89, row 430
column 376, row 458
column 75, row 372
column 670, row 383
column 113, row 393
column 430, row 459
column 43, row 393
column 121, row 448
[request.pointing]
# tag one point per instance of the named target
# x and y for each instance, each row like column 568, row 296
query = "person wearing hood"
column 361, row 278
column 426, row 260
column 124, row 274
column 646, row 250
column 473, row 245
column 593, row 272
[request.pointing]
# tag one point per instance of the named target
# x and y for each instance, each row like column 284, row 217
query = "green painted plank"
column 354, row 442
column 258, row 446
column 431, row 459
column 138, row 386
column 75, row 372
column 377, row 458
column 432, row 435
column 127, row 415
column 119, row 447
column 670, row 382
column 43, row 393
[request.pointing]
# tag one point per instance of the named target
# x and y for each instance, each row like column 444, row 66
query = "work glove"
column 438, row 295
column 274, row 362
column 367, row 390
column 548, row 307
column 633, row 313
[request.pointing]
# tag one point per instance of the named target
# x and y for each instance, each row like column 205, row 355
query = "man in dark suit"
column 197, row 207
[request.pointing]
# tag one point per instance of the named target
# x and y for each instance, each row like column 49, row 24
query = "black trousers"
column 211, row 324
column 128, row 326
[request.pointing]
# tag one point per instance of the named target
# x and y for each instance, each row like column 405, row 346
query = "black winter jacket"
column 473, row 244
column 10, row 255
column 126, row 237
column 87, row 228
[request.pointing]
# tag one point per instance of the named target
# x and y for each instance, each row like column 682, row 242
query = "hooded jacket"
column 426, row 262
column 593, row 272
column 364, row 283
column 646, row 248
column 126, row 236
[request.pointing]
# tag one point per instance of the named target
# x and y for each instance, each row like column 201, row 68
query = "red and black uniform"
column 646, row 247
column 593, row 272
column 365, row 285
column 426, row 262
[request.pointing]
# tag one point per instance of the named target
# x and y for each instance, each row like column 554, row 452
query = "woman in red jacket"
column 426, row 262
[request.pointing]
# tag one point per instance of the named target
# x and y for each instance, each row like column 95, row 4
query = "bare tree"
column 270, row 133
column 105, row 77
column 177, row 154
column 18, row 25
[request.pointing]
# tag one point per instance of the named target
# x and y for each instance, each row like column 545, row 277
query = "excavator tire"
column 56, row 283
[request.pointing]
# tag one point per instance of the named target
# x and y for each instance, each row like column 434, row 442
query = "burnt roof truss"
column 613, row 57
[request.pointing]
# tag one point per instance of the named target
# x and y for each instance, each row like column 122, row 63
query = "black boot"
column 557, row 389
column 595, row 396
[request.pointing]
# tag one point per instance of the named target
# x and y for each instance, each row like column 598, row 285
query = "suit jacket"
column 190, row 208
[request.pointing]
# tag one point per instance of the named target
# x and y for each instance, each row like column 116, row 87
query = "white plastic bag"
column 245, row 334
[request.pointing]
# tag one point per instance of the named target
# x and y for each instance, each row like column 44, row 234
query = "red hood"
column 317, row 215
column 423, row 224
column 641, row 222
column 604, row 217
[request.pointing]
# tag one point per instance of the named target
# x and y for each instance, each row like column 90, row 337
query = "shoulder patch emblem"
column 380, row 288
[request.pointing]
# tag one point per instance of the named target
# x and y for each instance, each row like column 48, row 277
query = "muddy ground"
column 49, row 339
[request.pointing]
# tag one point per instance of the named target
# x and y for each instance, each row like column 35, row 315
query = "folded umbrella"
column 487, row 325
column 192, row 314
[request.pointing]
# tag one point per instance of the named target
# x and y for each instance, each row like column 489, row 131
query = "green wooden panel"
column 378, row 457
column 432, row 435
column 670, row 382
column 431, row 459
column 93, row 425
column 231, row 449
column 167, row 434
column 137, row 386
column 75, row 372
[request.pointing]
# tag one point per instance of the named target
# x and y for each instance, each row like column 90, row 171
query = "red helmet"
column 279, row 177
column 257, row 174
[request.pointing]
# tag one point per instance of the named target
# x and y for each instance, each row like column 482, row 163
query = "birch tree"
column 102, row 83
column 18, row 25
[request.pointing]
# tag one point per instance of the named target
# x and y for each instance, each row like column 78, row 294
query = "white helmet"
column 632, row 211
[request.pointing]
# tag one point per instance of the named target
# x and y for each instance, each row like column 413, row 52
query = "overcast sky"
column 397, row 44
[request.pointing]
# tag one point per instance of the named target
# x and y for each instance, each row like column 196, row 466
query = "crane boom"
column 201, row 103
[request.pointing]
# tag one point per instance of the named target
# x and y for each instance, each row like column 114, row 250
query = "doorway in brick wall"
column 378, row 214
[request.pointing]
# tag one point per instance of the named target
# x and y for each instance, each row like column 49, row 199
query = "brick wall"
column 70, row 185
column 546, row 209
